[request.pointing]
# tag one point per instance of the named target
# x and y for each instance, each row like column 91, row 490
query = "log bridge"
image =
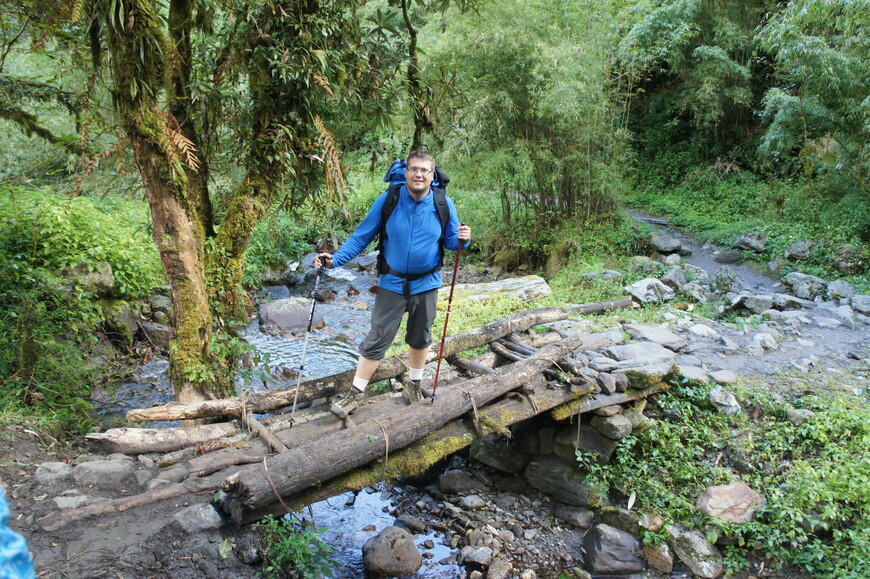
column 272, row 464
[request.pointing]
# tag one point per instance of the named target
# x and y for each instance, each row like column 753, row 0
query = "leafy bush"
column 47, row 324
column 292, row 551
column 815, row 477
column 276, row 241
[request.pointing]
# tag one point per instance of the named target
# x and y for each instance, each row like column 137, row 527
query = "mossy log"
column 298, row 469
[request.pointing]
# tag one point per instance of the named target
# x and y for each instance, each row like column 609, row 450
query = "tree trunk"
column 299, row 468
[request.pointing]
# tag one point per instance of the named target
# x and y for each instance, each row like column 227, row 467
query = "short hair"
column 420, row 154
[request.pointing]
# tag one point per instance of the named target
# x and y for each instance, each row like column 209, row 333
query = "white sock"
column 415, row 373
column 359, row 383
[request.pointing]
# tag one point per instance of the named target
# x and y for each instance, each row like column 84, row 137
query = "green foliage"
column 292, row 551
column 48, row 322
column 276, row 241
column 815, row 477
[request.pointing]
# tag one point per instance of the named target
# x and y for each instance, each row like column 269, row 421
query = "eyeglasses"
column 418, row 171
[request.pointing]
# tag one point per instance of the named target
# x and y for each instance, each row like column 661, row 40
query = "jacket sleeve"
column 362, row 236
column 451, row 234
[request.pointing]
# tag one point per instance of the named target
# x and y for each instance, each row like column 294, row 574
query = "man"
column 413, row 277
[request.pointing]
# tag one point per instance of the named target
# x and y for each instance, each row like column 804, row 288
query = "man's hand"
column 464, row 232
column 323, row 260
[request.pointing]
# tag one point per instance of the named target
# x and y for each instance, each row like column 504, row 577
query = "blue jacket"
column 15, row 562
column 411, row 247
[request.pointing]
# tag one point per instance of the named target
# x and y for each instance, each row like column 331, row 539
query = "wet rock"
column 805, row 286
column 159, row 334
column 577, row 516
column 664, row 243
column 650, row 290
column 275, row 277
column 459, row 481
column 276, row 292
column 496, row 452
column 475, row 556
column 727, row 280
column 98, row 279
column 651, row 522
column 367, row 262
column 412, row 523
column 696, row 552
column 614, row 427
column 622, row 519
column 734, row 503
column 587, row 439
column 750, row 241
column 291, row 314
column 105, row 474
column 610, row 551
column 363, row 284
column 198, row 518
column 657, row 335
column 798, row 416
column 659, row 557
column 799, row 250
column 563, row 482
column 53, row 472
column 724, row 401
column 500, row 568
column 391, row 552
column 160, row 303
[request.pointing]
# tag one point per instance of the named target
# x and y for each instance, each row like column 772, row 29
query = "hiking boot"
column 347, row 402
column 411, row 393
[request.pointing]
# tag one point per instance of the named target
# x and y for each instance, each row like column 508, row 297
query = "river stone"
column 119, row 319
column 614, row 427
column 650, row 290
column 199, row 518
column 790, row 302
column 724, row 401
column 840, row 290
column 105, row 474
column 590, row 440
column 622, row 519
column 276, row 292
column 659, row 557
column 657, row 335
column 723, row 376
column 664, row 243
column 734, row 503
column 563, row 482
column 291, row 314
column 758, row 303
column 459, row 481
column 410, row 522
column 496, row 452
column 674, row 277
column 51, row 472
column 805, row 286
column 696, row 291
column 693, row 374
column 646, row 351
column 577, row 516
column 751, row 241
column 672, row 259
column 696, row 552
column 160, row 303
column 391, row 552
column 97, row 280
column 727, row 280
column 368, row 261
column 363, row 284
column 472, row 503
column 479, row 557
column 860, row 303
column 500, row 568
column 799, row 250
column 159, row 334
column 610, row 551
column 798, row 416
column 523, row 288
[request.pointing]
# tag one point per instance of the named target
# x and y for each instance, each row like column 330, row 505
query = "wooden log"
column 254, row 425
column 264, row 402
column 470, row 365
column 299, row 468
column 505, row 352
column 144, row 440
column 600, row 307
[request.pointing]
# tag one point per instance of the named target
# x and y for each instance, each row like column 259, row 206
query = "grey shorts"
column 387, row 316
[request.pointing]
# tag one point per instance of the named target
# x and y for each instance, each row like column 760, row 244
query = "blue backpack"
column 396, row 178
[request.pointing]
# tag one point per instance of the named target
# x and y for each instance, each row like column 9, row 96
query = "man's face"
column 419, row 175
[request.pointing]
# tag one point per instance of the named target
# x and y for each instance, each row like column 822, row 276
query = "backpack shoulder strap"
column 390, row 203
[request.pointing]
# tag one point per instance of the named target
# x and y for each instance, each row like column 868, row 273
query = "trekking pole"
column 446, row 319
column 305, row 345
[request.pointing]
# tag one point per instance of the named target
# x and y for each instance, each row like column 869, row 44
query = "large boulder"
column 98, row 279
column 496, row 452
column 805, row 286
column 750, row 241
column 650, row 290
column 696, row 552
column 658, row 335
column 799, row 250
column 610, row 551
column 289, row 315
column 119, row 320
column 664, row 243
column 391, row 552
column 563, row 482
column 726, row 279
column 734, row 503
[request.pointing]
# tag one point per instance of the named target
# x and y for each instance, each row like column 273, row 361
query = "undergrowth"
column 290, row 550
column 815, row 476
